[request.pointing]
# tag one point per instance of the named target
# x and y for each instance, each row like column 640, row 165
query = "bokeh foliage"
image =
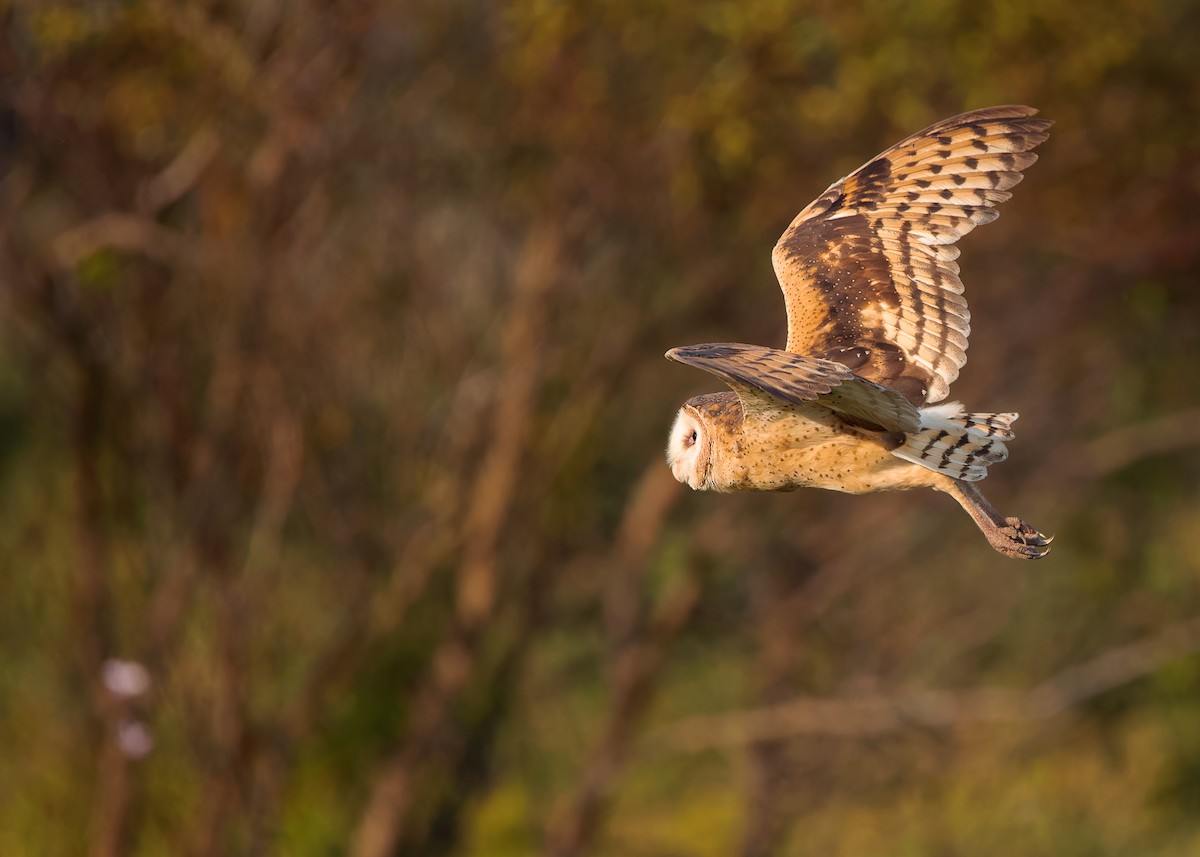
column 331, row 393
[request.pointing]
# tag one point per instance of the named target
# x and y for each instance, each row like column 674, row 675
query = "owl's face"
column 688, row 448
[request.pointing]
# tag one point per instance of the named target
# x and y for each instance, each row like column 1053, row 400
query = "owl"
column 877, row 332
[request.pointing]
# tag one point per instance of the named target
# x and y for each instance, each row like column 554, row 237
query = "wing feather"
column 868, row 270
column 758, row 375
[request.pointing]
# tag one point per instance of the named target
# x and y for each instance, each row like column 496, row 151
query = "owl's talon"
column 1019, row 540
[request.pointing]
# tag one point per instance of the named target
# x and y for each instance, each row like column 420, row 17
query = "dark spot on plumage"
column 821, row 279
column 960, row 179
column 852, row 358
column 943, row 154
column 847, row 263
column 937, row 438
column 972, row 163
column 947, row 194
column 934, row 207
column 867, row 186
column 868, row 430
column 945, row 139
column 935, row 168
column 836, row 203
column 980, row 145
column 923, row 183
column 708, row 350
column 910, row 387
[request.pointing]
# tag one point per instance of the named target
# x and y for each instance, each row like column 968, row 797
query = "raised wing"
column 752, row 371
column 868, row 271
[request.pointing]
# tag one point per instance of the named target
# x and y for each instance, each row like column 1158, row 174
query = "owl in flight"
column 877, row 332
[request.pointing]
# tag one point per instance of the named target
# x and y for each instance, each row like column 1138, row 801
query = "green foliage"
column 331, row 392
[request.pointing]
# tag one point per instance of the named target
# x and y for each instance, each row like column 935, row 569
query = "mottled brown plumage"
column 761, row 376
column 877, row 332
column 868, row 269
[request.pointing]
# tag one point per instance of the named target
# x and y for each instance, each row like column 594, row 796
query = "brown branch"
column 110, row 811
column 641, row 524
column 781, row 617
column 1129, row 444
column 181, row 175
column 636, row 672
column 109, row 814
column 454, row 662
column 638, row 661
column 284, row 463
column 130, row 233
column 873, row 715
column 537, row 269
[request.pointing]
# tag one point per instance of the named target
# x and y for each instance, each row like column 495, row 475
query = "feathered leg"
column 1010, row 536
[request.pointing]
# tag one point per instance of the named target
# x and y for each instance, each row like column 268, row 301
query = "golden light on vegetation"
column 334, row 511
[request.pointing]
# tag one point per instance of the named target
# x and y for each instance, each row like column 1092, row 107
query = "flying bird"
column 877, row 332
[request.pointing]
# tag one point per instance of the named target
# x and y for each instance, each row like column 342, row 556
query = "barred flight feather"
column 763, row 377
column 960, row 445
column 870, row 265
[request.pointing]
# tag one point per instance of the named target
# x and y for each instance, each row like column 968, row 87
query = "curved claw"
column 1018, row 539
column 1009, row 536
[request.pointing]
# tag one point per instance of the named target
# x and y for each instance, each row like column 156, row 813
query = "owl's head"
column 688, row 448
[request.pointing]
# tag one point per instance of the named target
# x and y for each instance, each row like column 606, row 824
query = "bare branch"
column 638, row 661
column 182, row 174
column 130, row 233
column 454, row 662
column 1127, row 445
column 537, row 269
column 873, row 715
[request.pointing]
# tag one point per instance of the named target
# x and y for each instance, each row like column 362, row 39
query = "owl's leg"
column 1010, row 536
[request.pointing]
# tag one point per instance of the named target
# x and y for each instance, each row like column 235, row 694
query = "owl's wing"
column 759, row 375
column 868, row 271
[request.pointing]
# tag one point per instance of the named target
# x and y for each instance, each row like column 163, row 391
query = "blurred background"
column 333, row 511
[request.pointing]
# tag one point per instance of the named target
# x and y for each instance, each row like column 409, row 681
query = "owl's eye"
column 691, row 438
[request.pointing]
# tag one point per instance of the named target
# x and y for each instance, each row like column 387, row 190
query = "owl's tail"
column 957, row 444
